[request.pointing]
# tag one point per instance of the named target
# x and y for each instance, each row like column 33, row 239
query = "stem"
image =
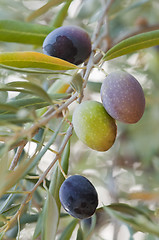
column 17, row 156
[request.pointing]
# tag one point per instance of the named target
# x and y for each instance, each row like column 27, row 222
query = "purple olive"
column 70, row 43
column 123, row 97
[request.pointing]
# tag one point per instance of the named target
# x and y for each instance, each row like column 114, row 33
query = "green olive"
column 94, row 126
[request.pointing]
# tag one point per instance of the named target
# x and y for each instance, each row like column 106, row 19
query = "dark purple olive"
column 78, row 197
column 70, row 43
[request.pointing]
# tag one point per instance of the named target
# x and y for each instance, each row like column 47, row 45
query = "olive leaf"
column 34, row 60
column 133, row 44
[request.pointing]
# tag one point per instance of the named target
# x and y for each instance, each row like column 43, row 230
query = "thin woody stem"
column 17, row 156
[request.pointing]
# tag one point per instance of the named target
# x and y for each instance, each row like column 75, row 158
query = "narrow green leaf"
column 34, row 60
column 50, row 220
column 77, row 82
column 33, row 102
column 55, row 183
column 80, row 234
column 13, row 118
column 132, row 44
column 29, row 218
column 38, row 227
column 43, row 9
column 44, row 150
column 13, row 89
column 7, row 107
column 11, row 178
column 5, row 203
column 126, row 209
column 39, row 71
column 35, row 89
column 3, row 168
column 133, row 216
column 11, row 211
column 66, row 234
column 22, row 32
column 2, row 235
column 61, row 15
column 94, row 86
column 3, row 96
column 57, row 177
column 121, row 12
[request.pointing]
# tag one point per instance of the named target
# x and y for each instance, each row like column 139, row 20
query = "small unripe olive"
column 123, row 97
column 94, row 126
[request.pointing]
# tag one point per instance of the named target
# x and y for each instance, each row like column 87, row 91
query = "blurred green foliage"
column 126, row 174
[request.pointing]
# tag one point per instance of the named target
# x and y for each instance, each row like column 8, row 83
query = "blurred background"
column 129, row 172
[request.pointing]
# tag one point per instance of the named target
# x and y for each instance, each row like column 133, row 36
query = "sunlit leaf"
column 59, row 86
column 133, row 44
column 36, row 71
column 34, row 60
column 66, row 234
column 43, row 9
column 22, row 32
column 50, row 220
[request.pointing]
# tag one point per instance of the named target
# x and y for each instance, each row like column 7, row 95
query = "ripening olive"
column 94, row 126
column 123, row 97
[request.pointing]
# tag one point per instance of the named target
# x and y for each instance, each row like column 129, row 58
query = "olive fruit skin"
column 78, row 197
column 70, row 43
column 94, row 126
column 123, row 97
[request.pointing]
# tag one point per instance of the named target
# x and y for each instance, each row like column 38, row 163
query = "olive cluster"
column 122, row 99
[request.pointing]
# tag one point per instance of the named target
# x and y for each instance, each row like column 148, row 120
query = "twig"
column 17, row 156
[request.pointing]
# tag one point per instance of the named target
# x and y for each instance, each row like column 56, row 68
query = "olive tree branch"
column 97, row 38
